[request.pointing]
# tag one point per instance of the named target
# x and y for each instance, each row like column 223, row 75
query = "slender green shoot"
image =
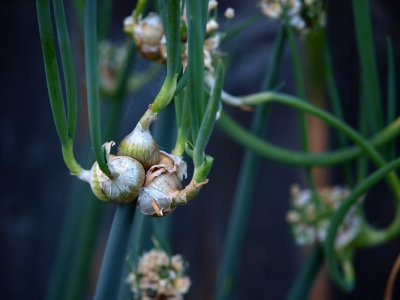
column 244, row 137
column 68, row 66
column 92, row 83
column 195, row 66
column 140, row 7
column 105, row 15
column 304, row 281
column 337, row 219
column 51, row 68
column 369, row 70
column 241, row 27
column 173, row 49
column 111, row 270
column 54, row 85
column 301, row 93
column 331, row 120
column 244, row 193
column 210, row 115
column 391, row 92
column 335, row 99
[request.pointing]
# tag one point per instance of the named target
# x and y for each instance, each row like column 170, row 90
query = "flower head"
column 310, row 217
column 159, row 276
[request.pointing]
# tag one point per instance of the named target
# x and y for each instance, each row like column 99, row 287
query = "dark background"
column 35, row 183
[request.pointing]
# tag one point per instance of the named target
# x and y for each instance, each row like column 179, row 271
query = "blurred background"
column 36, row 185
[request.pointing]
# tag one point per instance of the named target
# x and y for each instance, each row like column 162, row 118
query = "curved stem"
column 369, row 236
column 369, row 150
column 290, row 157
column 69, row 158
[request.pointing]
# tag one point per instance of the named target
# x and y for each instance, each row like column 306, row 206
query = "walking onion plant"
column 140, row 178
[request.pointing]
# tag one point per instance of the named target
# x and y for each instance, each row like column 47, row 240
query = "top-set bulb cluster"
column 301, row 15
column 310, row 216
column 149, row 36
column 139, row 170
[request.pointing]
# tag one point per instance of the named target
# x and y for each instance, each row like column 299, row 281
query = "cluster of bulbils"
column 310, row 216
column 149, row 37
column 301, row 15
column 139, row 170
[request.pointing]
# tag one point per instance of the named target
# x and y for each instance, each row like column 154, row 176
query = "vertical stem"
column 369, row 70
column 244, row 192
column 301, row 287
column 140, row 233
column 195, row 67
column 300, row 91
column 93, row 84
column 51, row 68
column 77, row 279
column 391, row 93
column 68, row 66
column 115, row 253
column 335, row 101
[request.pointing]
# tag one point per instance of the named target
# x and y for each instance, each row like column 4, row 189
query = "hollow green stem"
column 244, row 193
column 140, row 6
column 301, row 93
column 334, row 99
column 173, row 50
column 51, row 68
column 210, row 115
column 182, row 83
column 68, row 66
column 369, row 70
column 140, row 235
column 244, row 137
column 195, row 65
column 64, row 129
column 369, row 236
column 304, row 281
column 105, row 15
column 241, row 27
column 115, row 253
column 183, row 124
column 69, row 158
column 67, row 238
column 87, row 239
column 391, row 92
column 90, row 30
column 331, row 120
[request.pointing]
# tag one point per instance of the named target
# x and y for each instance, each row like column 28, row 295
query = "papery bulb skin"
column 95, row 184
column 127, row 179
column 141, row 146
column 163, row 182
column 156, row 198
